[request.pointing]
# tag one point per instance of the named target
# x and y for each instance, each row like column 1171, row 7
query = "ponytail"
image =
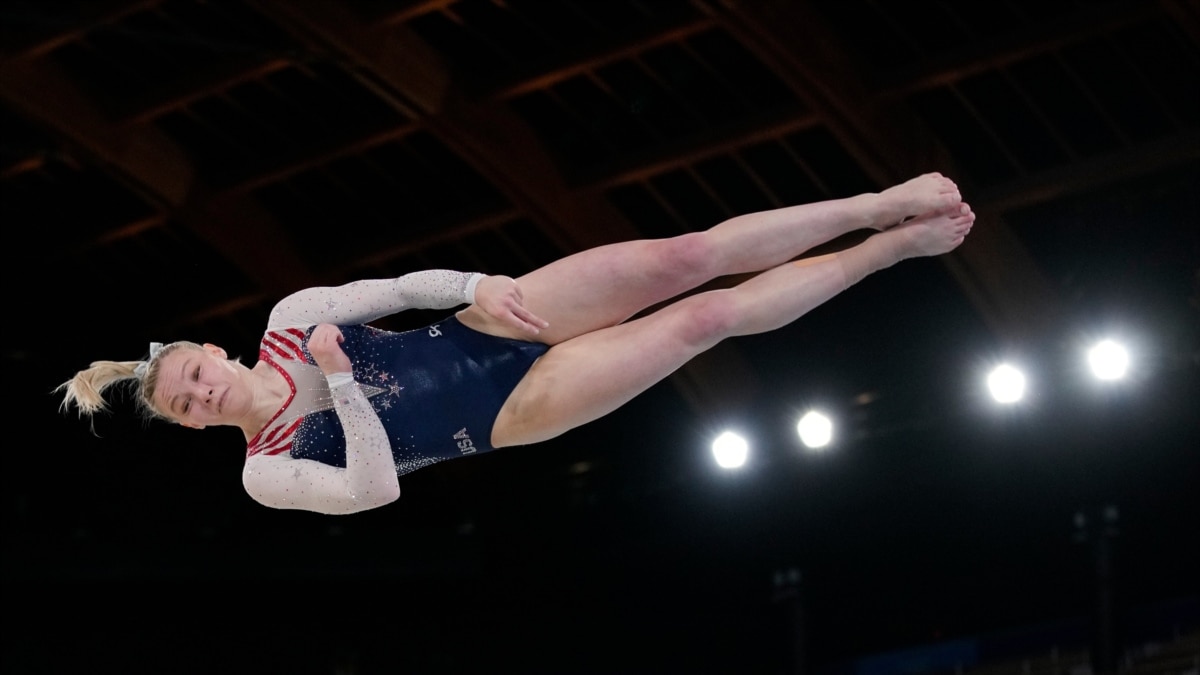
column 86, row 390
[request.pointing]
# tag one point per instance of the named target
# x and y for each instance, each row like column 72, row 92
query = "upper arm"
column 278, row 481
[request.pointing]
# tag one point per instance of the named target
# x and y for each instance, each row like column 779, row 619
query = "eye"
column 187, row 405
column 196, row 374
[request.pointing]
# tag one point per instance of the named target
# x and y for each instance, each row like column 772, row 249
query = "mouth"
column 221, row 401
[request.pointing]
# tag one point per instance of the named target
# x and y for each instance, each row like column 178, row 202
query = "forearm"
column 370, row 468
column 368, row 480
column 370, row 299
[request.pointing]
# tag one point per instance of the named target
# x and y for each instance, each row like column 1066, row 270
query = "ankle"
column 876, row 253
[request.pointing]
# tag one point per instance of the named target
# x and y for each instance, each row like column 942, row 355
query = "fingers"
column 324, row 345
column 526, row 320
column 504, row 300
column 325, row 332
column 521, row 316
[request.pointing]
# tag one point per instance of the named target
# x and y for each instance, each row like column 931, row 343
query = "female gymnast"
column 335, row 411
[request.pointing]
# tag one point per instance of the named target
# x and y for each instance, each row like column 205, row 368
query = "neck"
column 269, row 391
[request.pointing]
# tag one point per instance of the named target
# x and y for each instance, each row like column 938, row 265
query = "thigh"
column 587, row 377
column 603, row 287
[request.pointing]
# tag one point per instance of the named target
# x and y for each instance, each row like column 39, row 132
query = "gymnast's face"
column 199, row 387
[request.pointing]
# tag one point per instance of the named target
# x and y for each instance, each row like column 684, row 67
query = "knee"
column 686, row 256
column 709, row 318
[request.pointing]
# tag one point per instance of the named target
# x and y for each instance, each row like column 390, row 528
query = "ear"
column 215, row 350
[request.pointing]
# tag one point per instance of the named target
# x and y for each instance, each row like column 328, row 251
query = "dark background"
column 173, row 167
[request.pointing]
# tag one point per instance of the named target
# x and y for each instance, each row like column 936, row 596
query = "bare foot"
column 928, row 193
column 933, row 234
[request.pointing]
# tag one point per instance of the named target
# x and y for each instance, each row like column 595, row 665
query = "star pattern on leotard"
column 379, row 386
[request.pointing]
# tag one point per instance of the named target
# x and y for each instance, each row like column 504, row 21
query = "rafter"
column 23, row 165
column 571, row 66
column 31, row 36
column 891, row 144
column 1083, row 25
column 1186, row 16
column 381, row 12
column 491, row 138
column 152, row 165
column 636, row 167
column 178, row 93
column 255, row 176
column 1126, row 164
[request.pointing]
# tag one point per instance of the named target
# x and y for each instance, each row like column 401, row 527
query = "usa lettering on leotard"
column 465, row 445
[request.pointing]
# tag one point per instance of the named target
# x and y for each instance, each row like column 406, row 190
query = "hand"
column 501, row 298
column 325, row 347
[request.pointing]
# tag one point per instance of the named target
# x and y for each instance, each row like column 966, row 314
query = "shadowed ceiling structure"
column 171, row 168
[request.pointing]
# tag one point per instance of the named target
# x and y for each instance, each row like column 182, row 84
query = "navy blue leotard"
column 437, row 391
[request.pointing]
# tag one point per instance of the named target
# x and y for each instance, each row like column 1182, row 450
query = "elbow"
column 389, row 495
column 375, row 498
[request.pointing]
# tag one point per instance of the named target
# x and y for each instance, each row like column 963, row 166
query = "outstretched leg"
column 585, row 378
column 605, row 286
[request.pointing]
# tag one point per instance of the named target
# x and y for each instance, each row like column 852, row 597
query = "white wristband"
column 469, row 292
column 338, row 379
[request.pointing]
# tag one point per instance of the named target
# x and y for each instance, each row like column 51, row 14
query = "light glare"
column 1109, row 360
column 1006, row 383
column 730, row 450
column 815, row 429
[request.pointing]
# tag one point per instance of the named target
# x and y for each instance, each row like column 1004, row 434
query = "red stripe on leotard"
column 287, row 344
column 258, row 443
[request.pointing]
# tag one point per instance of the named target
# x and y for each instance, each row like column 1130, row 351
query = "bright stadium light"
column 815, row 429
column 1109, row 360
column 1006, row 383
column 730, row 450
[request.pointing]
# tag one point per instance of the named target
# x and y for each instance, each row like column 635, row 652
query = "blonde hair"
column 86, row 390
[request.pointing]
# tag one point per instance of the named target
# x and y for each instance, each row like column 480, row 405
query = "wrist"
column 336, row 380
column 472, row 283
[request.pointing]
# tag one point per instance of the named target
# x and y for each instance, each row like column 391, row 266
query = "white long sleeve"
column 365, row 301
column 368, row 481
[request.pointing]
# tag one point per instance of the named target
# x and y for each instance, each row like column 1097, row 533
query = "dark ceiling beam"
column 499, row 145
column 1185, row 14
column 891, row 144
column 385, row 13
column 195, row 323
column 638, row 167
column 620, row 50
column 178, row 93
column 1094, row 173
column 127, row 231
column 989, row 55
column 153, row 166
column 143, row 159
column 254, row 176
column 443, row 234
column 22, row 165
column 26, row 35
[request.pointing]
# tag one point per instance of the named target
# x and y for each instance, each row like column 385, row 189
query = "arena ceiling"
column 170, row 168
